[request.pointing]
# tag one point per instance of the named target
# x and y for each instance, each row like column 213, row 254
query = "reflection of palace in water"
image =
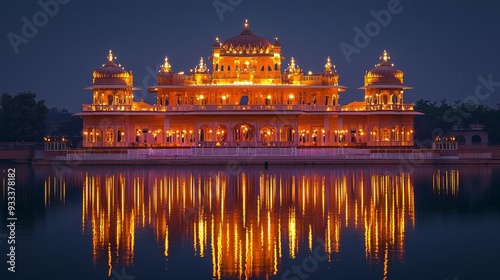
column 247, row 223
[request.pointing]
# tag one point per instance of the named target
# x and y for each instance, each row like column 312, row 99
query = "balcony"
column 90, row 107
column 389, row 107
column 191, row 108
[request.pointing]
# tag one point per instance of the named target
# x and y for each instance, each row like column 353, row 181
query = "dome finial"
column 328, row 65
column 166, row 67
column 110, row 56
column 246, row 23
column 385, row 56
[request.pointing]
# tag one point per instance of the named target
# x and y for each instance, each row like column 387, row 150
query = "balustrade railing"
column 249, row 153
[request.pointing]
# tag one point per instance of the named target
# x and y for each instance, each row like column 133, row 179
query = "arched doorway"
column 243, row 132
column 205, row 133
column 476, row 140
column 287, row 134
column 221, row 133
column 267, row 134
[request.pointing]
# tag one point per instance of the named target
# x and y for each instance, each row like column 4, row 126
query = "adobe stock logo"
column 222, row 7
column 29, row 29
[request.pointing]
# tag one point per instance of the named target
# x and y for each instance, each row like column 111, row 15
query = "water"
column 291, row 222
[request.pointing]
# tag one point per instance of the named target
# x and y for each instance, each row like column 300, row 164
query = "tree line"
column 23, row 118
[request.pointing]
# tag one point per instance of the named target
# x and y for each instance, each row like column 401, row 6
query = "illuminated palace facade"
column 247, row 98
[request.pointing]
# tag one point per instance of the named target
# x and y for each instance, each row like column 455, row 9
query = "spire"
column 246, row 24
column 166, row 66
column 202, row 67
column 328, row 65
column 385, row 59
column 110, row 56
column 385, row 56
column 292, row 67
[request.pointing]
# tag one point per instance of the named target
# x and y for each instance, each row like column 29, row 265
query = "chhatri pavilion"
column 247, row 98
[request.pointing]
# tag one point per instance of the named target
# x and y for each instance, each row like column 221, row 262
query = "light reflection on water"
column 244, row 224
column 258, row 224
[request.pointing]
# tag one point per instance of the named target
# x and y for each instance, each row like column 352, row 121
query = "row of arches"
column 244, row 132
column 253, row 99
column 388, row 134
column 112, row 98
column 245, row 68
column 106, row 135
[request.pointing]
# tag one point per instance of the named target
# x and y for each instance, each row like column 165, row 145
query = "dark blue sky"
column 442, row 46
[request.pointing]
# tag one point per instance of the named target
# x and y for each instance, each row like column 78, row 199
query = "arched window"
column 326, row 100
column 287, row 133
column 385, row 99
column 276, row 67
column 121, row 135
column 476, row 140
column 88, row 135
column 263, row 68
column 228, row 68
column 267, row 133
column 205, row 133
column 110, row 135
column 269, row 68
column 394, row 99
column 243, row 133
column 385, row 134
column 217, row 67
column 222, row 68
column 98, row 135
column 110, row 99
column 374, row 134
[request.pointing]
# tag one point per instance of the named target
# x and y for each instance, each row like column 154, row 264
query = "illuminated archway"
column 267, row 133
column 385, row 134
column 287, row 133
column 205, row 133
column 110, row 135
column 221, row 133
column 374, row 134
column 121, row 135
column 243, row 132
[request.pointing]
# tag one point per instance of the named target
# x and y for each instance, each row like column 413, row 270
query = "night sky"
column 442, row 46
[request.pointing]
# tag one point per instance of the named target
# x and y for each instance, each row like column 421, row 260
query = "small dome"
column 385, row 72
column 247, row 42
column 110, row 73
column 165, row 76
column 330, row 70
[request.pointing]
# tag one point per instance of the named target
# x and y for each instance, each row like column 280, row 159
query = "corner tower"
column 384, row 88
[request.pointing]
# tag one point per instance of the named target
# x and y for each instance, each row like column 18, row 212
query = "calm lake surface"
column 221, row 222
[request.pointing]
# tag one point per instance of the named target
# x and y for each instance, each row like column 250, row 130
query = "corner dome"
column 110, row 73
column 247, row 42
column 385, row 72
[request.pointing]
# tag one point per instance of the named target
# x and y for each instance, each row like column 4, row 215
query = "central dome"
column 247, row 42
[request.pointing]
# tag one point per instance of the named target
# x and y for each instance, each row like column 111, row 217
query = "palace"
column 247, row 98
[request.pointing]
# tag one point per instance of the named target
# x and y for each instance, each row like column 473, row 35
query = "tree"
column 22, row 118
